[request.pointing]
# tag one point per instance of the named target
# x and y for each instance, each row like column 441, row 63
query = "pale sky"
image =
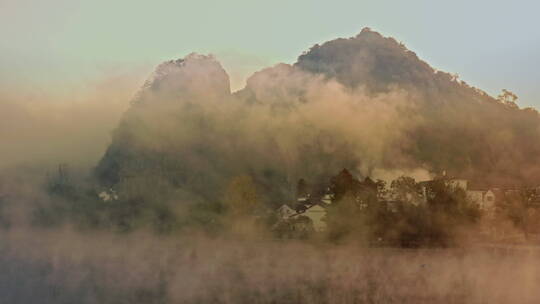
column 50, row 44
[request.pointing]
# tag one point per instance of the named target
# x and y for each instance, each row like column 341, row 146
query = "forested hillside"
column 364, row 103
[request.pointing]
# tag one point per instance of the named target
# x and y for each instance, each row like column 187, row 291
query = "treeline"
column 400, row 214
column 141, row 203
column 403, row 213
column 358, row 211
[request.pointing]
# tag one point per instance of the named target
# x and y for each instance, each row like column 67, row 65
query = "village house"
column 457, row 183
column 308, row 213
column 108, row 195
column 316, row 214
column 327, row 198
column 485, row 199
column 284, row 212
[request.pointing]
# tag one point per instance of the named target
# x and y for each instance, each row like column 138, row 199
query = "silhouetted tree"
column 405, row 189
column 302, row 189
column 241, row 197
column 343, row 183
column 243, row 206
column 508, row 98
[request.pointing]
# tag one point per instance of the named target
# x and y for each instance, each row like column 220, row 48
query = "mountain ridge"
column 366, row 103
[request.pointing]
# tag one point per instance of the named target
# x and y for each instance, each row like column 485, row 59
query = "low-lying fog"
column 68, row 267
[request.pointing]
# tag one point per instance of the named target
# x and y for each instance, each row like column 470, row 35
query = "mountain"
column 366, row 103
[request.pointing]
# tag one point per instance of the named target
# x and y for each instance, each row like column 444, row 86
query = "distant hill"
column 366, row 103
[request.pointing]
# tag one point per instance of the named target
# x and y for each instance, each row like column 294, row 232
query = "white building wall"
column 489, row 200
column 458, row 183
column 476, row 197
column 285, row 211
column 317, row 214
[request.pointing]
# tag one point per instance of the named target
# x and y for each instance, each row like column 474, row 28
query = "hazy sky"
column 58, row 44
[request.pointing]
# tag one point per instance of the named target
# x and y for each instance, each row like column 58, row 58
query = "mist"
column 66, row 267
column 45, row 127
column 176, row 154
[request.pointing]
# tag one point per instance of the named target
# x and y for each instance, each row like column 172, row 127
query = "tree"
column 437, row 222
column 344, row 218
column 508, row 98
column 241, row 197
column 519, row 211
column 243, row 207
column 343, row 183
column 357, row 213
column 448, row 210
column 382, row 191
column 405, row 189
column 302, row 188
